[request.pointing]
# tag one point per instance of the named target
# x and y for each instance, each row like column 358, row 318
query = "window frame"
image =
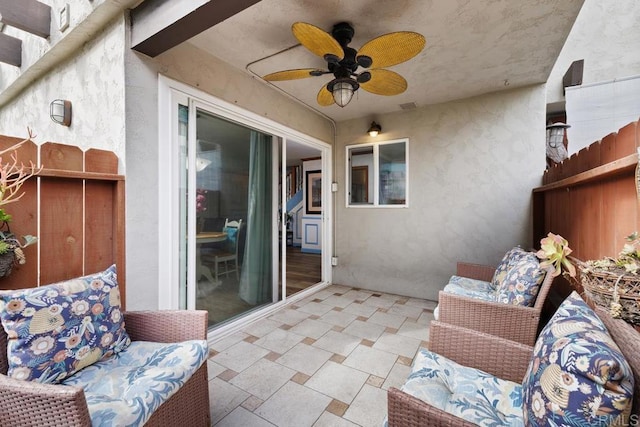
column 376, row 174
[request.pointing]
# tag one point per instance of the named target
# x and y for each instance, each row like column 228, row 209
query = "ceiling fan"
column 343, row 61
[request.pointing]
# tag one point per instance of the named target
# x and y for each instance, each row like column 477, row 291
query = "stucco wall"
column 93, row 81
column 606, row 35
column 193, row 67
column 472, row 166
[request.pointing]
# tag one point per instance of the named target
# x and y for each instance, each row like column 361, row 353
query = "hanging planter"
column 614, row 283
column 6, row 263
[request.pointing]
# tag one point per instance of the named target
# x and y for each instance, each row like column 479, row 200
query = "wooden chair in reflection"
column 228, row 253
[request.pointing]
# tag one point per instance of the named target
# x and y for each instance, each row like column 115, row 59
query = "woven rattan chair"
column 58, row 405
column 503, row 358
column 513, row 322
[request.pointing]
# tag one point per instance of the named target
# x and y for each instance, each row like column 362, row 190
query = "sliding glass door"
column 227, row 227
column 228, row 216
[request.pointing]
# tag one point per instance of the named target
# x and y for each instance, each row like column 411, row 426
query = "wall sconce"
column 374, row 129
column 60, row 111
column 556, row 151
column 202, row 163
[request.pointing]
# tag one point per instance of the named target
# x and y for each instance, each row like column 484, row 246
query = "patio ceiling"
column 473, row 47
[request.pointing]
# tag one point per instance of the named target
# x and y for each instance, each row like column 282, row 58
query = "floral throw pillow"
column 522, row 282
column 512, row 256
column 577, row 376
column 58, row 329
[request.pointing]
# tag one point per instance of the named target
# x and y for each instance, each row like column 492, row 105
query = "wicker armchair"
column 59, row 405
column 513, row 322
column 502, row 358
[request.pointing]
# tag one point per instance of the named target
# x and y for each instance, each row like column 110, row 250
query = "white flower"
column 21, row 373
column 537, row 404
column 79, row 307
column 42, row 345
column 582, row 363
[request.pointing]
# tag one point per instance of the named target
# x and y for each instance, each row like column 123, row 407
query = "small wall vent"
column 408, row 106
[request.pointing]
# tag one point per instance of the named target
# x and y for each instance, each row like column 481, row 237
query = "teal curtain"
column 256, row 276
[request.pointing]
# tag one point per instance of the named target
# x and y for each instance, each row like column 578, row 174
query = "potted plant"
column 614, row 283
column 12, row 176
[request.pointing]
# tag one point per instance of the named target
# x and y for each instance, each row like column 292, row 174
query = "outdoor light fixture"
column 342, row 90
column 556, row 151
column 374, row 129
column 60, row 111
column 202, row 163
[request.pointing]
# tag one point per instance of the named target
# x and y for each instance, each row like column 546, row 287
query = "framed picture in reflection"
column 314, row 192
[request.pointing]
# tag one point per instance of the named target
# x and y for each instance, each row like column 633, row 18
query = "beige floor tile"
column 337, row 342
column 369, row 407
column 242, row 417
column 338, row 318
column 398, row 344
column 315, row 308
column 293, row 405
column 405, row 310
column 240, row 356
column 327, row 419
column 263, row 378
column 311, row 328
column 366, row 330
column 360, row 309
column 326, row 363
column 387, row 319
column 414, row 330
column 279, row 340
column 305, row 358
column 224, row 398
column 289, row 316
column 397, row 377
column 370, row 360
column 337, row 381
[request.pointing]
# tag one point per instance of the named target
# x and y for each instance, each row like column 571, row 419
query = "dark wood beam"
column 573, row 76
column 10, row 50
column 182, row 29
column 28, row 15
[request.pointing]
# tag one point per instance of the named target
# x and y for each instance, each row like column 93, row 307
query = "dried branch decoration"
column 14, row 174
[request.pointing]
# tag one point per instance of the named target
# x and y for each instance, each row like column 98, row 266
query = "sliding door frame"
column 170, row 93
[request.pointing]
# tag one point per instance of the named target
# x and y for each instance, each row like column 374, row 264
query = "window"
column 377, row 174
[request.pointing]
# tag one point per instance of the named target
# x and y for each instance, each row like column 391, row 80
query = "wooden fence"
column 76, row 208
column 591, row 199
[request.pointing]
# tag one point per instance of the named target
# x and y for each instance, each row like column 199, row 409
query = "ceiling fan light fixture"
column 342, row 90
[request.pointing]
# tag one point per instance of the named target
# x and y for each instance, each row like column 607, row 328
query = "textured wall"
column 606, row 35
column 193, row 67
column 472, row 165
column 92, row 81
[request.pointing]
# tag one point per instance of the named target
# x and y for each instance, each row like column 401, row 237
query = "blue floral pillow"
column 577, row 376
column 58, row 329
column 522, row 282
column 512, row 256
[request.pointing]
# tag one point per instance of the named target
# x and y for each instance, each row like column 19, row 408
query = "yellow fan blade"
column 391, row 49
column 301, row 73
column 385, row 82
column 325, row 98
column 317, row 41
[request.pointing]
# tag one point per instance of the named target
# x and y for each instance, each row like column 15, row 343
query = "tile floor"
column 327, row 360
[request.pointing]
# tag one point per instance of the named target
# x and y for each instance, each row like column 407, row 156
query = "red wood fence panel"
column 591, row 199
column 80, row 225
